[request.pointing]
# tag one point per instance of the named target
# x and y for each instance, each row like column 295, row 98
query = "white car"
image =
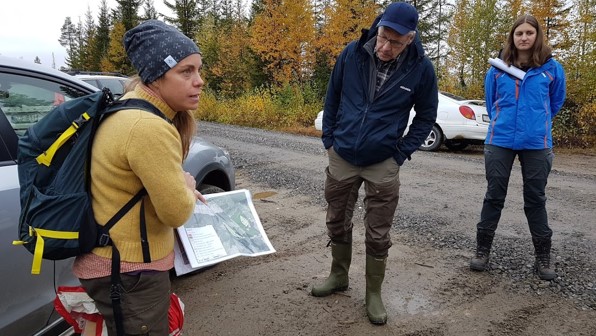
column 460, row 122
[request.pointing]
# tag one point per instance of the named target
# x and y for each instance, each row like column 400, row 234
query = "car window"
column 92, row 82
column 8, row 142
column 25, row 100
column 115, row 85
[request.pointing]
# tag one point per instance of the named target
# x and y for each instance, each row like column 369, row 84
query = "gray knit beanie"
column 154, row 47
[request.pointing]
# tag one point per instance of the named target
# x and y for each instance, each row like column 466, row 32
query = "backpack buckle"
column 83, row 118
column 104, row 240
column 115, row 292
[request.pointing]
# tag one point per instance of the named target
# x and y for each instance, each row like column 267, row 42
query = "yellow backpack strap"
column 46, row 157
column 40, row 243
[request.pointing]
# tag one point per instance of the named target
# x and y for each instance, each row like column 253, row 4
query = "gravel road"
column 428, row 289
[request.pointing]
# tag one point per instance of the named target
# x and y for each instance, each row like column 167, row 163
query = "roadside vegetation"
column 267, row 66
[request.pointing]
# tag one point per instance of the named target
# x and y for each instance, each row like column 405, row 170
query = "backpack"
column 56, row 220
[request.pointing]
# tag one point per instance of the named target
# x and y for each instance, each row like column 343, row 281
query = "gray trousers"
column 145, row 302
column 381, row 186
column 536, row 166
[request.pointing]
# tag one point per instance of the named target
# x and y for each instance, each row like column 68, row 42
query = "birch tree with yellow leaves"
column 344, row 21
column 282, row 35
column 553, row 15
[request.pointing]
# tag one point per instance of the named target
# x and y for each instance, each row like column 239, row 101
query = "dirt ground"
column 428, row 288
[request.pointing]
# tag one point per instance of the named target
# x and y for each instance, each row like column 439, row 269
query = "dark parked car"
column 27, row 92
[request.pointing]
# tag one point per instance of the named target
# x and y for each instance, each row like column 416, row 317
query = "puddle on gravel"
column 264, row 194
column 409, row 304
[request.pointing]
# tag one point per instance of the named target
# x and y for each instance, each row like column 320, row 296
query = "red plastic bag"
column 176, row 315
column 77, row 308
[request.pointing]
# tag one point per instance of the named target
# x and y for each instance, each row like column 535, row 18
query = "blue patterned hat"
column 154, row 47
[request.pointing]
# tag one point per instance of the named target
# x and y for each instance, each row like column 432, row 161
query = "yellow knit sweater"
column 135, row 149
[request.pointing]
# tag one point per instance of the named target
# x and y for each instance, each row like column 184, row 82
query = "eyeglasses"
column 393, row 43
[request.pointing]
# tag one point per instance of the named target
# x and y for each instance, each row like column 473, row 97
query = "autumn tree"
column 344, row 21
column 116, row 59
column 283, row 35
column 472, row 40
column 231, row 71
column 553, row 16
column 337, row 24
column 576, row 123
column 515, row 9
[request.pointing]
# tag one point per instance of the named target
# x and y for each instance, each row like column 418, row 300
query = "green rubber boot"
column 375, row 273
column 338, row 277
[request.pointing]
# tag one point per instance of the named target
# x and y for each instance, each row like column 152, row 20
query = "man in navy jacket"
column 375, row 83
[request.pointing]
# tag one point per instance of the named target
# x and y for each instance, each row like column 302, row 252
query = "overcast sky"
column 30, row 28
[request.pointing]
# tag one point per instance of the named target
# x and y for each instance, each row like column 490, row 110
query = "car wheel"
column 209, row 189
column 433, row 141
column 456, row 144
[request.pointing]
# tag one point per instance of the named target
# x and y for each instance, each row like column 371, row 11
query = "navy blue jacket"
column 365, row 130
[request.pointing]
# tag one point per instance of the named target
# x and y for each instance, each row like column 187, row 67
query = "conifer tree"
column 68, row 39
column 89, row 60
column 102, row 36
column 149, row 11
column 127, row 13
column 186, row 16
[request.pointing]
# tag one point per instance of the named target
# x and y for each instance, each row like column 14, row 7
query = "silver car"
column 27, row 92
column 116, row 84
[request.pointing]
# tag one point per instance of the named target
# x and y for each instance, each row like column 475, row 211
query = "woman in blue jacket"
column 521, row 113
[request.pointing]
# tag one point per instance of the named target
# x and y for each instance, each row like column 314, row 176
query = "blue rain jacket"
column 521, row 111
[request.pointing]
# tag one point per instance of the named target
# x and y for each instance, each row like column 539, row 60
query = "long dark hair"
column 541, row 52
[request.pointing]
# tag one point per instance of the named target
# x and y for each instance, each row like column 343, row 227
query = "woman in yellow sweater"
column 135, row 149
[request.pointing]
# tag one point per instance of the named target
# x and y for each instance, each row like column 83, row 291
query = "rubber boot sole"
column 378, row 322
column 321, row 293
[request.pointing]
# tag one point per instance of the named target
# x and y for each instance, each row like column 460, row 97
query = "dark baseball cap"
column 401, row 17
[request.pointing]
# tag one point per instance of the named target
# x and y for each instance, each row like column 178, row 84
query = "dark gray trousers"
column 536, row 166
column 381, row 187
column 145, row 302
